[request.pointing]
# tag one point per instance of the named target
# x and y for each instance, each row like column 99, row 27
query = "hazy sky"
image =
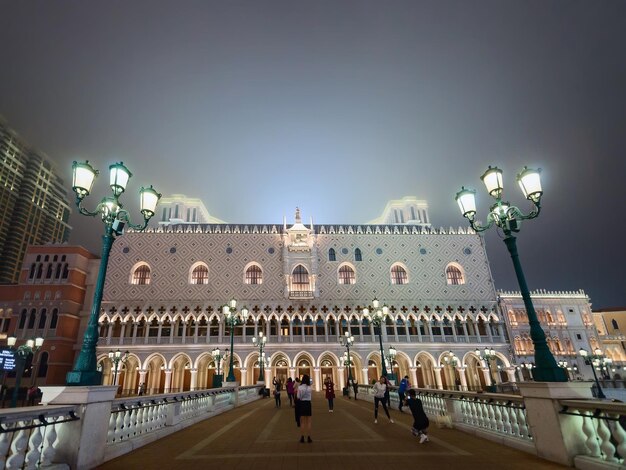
column 338, row 106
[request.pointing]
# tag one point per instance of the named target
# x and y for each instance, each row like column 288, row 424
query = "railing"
column 134, row 419
column 597, row 429
column 29, row 436
column 492, row 415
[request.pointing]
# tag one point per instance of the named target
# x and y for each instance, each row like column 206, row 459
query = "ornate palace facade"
column 304, row 286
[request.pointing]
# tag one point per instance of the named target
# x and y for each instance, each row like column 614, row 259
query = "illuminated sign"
column 7, row 359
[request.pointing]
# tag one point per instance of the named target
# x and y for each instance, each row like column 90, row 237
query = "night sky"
column 257, row 107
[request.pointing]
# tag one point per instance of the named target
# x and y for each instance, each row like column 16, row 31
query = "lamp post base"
column 83, row 377
column 217, row 380
column 549, row 374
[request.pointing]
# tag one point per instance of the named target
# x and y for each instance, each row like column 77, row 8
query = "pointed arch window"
column 346, row 275
column 254, row 275
column 454, row 276
column 141, row 275
column 357, row 255
column 398, row 275
column 200, row 275
column 43, row 365
column 332, row 256
column 614, row 324
column 300, row 279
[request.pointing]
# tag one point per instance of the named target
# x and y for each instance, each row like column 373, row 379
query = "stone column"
column 462, row 378
column 342, row 381
column 168, row 381
column 510, row 372
column 318, row 378
column 142, row 378
column 438, row 381
column 244, row 376
column 413, row 375
column 194, row 379
column 364, row 372
column 487, row 375
column 292, row 372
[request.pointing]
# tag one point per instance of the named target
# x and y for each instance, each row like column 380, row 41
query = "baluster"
column 18, row 448
column 111, row 431
column 494, row 420
column 606, row 445
column 620, row 436
column 125, row 434
column 5, row 442
column 140, row 428
column 32, row 456
column 523, row 426
column 591, row 442
column 512, row 414
column 506, row 423
column 119, row 425
column 47, row 455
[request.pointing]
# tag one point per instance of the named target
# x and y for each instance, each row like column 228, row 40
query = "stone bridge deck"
column 259, row 436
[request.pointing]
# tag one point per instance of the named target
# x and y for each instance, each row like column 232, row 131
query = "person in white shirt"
column 303, row 395
column 380, row 388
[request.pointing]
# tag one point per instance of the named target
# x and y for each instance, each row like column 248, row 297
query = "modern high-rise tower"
column 33, row 203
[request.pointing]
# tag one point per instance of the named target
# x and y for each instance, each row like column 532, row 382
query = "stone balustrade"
column 597, row 431
column 29, row 436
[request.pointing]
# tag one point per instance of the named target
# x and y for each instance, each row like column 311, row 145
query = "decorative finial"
column 298, row 218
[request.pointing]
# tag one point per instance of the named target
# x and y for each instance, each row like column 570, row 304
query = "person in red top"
column 329, row 387
column 290, row 391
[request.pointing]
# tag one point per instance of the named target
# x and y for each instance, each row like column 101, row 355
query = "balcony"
column 301, row 294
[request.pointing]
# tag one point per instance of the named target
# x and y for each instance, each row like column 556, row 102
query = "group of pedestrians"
column 300, row 392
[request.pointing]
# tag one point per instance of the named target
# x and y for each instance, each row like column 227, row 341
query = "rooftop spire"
column 298, row 218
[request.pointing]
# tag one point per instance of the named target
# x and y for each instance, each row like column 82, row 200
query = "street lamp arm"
column 123, row 216
column 478, row 227
column 84, row 211
column 515, row 213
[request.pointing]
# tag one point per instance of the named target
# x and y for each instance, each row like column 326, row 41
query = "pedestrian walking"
column 355, row 387
column 404, row 386
column 296, row 402
column 387, row 390
column 290, row 391
column 380, row 388
column 304, row 403
column 329, row 388
column 420, row 420
column 278, row 385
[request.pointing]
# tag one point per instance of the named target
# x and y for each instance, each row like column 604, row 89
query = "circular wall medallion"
column 379, row 251
column 229, row 250
column 467, row 251
column 126, row 250
column 344, row 251
column 422, row 251
column 270, row 251
column 172, row 250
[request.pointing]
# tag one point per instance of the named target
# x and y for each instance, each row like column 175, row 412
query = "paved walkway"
column 258, row 436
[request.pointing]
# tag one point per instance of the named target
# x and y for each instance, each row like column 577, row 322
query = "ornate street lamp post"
column 347, row 340
column 217, row 359
column 114, row 218
column 377, row 318
column 116, row 357
column 21, row 356
column 232, row 319
column 597, row 359
column 488, row 355
column 391, row 355
column 509, row 218
column 260, row 343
